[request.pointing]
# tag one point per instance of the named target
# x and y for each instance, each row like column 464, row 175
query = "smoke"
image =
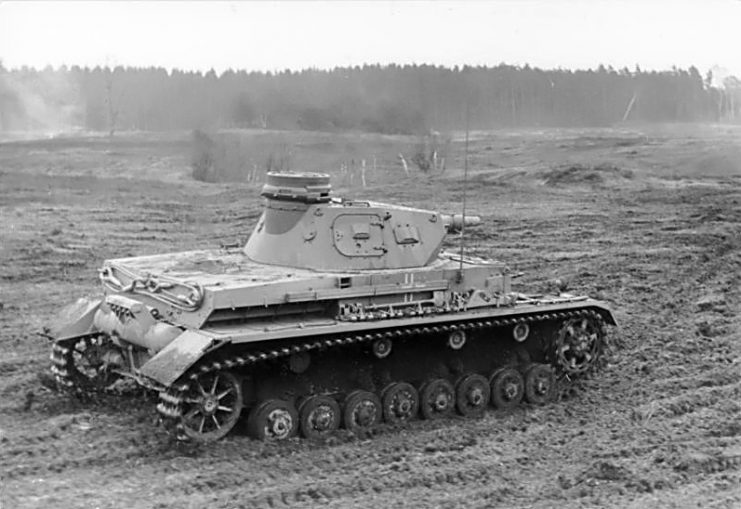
column 46, row 101
column 10, row 107
column 721, row 77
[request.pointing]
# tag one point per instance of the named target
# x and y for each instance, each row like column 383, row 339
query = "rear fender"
column 75, row 320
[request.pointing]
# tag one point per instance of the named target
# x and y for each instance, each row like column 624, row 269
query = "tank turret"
column 304, row 227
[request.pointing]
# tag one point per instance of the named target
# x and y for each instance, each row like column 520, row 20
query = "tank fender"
column 173, row 361
column 605, row 312
column 75, row 319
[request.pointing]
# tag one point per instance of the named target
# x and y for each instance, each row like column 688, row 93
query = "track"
column 173, row 398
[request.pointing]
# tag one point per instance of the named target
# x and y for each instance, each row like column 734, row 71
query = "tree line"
column 392, row 99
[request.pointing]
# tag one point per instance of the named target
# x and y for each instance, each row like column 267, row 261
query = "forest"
column 392, row 99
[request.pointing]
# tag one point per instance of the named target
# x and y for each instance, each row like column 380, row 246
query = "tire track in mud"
column 453, row 457
column 320, row 479
column 435, row 460
column 73, row 441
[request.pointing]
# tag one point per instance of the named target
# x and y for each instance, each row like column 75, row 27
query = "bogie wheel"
column 273, row 419
column 319, row 416
column 578, row 344
column 472, row 393
column 400, row 402
column 507, row 388
column 212, row 406
column 80, row 364
column 540, row 384
column 437, row 399
column 362, row 411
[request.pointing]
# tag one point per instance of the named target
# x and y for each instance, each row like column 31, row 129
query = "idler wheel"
column 400, row 402
column 578, row 345
column 274, row 419
column 83, row 363
column 363, row 411
column 472, row 395
column 507, row 388
column 540, row 384
column 437, row 399
column 211, row 406
column 319, row 416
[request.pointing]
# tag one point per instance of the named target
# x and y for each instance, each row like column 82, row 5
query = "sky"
column 277, row 35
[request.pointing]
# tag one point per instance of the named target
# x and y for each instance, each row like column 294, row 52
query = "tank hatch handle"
column 361, row 231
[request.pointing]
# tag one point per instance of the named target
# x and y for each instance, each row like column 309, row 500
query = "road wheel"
column 274, row 419
column 400, row 402
column 540, row 384
column 472, row 395
column 507, row 388
column 437, row 399
column 362, row 411
column 211, row 406
column 319, row 416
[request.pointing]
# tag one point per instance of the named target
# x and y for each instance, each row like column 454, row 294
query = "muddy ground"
column 648, row 219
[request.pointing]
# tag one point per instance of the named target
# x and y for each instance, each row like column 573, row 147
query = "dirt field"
column 647, row 219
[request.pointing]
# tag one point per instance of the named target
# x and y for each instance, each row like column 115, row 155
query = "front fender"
column 173, row 361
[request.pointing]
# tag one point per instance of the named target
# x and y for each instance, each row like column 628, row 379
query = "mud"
column 646, row 219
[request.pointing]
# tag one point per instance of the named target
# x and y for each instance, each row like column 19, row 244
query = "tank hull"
column 328, row 352
column 277, row 335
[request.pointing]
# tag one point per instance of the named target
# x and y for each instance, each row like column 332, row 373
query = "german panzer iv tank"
column 335, row 313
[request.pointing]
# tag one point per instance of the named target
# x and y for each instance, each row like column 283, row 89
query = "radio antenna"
column 465, row 189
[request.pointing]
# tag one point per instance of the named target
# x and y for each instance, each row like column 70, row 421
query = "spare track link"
column 170, row 405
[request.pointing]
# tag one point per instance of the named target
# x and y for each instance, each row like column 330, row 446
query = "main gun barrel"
column 456, row 222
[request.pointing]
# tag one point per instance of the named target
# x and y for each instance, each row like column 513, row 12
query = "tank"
column 336, row 313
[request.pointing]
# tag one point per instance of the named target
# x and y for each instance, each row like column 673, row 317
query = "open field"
column 648, row 219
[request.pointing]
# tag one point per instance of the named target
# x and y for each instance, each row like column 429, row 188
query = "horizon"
column 296, row 36
column 455, row 67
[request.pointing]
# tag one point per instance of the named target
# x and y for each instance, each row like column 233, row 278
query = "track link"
column 61, row 365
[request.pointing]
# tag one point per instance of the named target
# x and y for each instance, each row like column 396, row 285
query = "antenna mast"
column 465, row 189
